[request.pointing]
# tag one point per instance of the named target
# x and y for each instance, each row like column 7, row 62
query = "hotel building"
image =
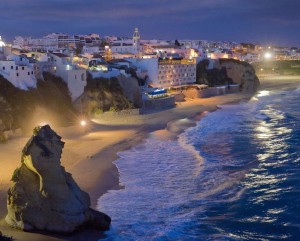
column 168, row 72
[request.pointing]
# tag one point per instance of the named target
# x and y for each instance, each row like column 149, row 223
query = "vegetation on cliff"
column 50, row 100
column 211, row 77
column 227, row 71
column 101, row 95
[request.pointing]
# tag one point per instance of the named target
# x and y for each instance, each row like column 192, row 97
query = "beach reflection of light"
column 263, row 93
column 274, row 114
column 264, row 131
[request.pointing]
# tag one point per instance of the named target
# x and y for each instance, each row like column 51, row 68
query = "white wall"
column 73, row 76
column 151, row 65
column 21, row 76
column 76, row 80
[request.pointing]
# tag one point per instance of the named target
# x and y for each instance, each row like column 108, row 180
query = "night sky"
column 258, row 21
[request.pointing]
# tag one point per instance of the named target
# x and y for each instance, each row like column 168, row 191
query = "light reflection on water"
column 246, row 187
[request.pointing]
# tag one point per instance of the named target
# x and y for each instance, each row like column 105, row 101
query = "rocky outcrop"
column 241, row 73
column 19, row 108
column 131, row 89
column 114, row 94
column 226, row 72
column 6, row 118
column 4, row 238
column 44, row 196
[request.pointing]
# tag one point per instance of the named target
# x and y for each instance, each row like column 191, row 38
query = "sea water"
column 234, row 176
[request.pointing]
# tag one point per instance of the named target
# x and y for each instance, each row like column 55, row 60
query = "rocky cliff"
column 50, row 102
column 114, row 94
column 240, row 72
column 227, row 71
column 44, row 196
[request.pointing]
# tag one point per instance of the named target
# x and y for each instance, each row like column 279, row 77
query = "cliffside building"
column 74, row 76
column 19, row 71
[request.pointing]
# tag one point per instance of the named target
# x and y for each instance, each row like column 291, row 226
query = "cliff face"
column 240, row 72
column 44, row 196
column 49, row 102
column 112, row 94
column 227, row 71
column 131, row 90
column 6, row 118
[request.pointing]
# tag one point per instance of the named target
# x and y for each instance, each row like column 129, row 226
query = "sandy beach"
column 89, row 154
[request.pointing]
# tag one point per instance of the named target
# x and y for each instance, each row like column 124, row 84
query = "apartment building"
column 19, row 71
column 74, row 76
column 167, row 72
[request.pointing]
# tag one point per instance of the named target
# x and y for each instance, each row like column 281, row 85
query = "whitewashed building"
column 74, row 76
column 18, row 70
column 131, row 46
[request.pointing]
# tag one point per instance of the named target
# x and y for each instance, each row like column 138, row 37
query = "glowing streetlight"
column 83, row 123
column 268, row 55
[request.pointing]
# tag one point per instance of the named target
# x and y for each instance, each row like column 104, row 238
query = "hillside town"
column 157, row 64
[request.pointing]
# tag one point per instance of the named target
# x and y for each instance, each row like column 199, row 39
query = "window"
column 17, row 68
column 28, row 73
column 11, row 67
column 75, row 76
column 31, row 72
column 17, row 74
column 23, row 68
column 3, row 68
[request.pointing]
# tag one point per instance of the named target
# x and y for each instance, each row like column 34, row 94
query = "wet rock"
column 44, row 196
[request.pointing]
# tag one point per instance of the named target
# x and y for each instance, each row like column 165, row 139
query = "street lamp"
column 83, row 124
column 268, row 55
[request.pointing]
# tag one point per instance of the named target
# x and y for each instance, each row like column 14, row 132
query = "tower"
column 136, row 40
column 2, row 44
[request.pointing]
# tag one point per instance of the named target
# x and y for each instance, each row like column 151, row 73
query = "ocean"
column 234, row 176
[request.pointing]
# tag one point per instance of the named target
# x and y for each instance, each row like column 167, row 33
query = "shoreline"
column 89, row 157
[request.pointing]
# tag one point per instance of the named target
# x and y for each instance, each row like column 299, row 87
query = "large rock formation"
column 114, row 94
column 131, row 89
column 240, row 72
column 227, row 71
column 44, row 196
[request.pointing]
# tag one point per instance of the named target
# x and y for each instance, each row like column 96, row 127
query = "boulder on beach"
column 44, row 197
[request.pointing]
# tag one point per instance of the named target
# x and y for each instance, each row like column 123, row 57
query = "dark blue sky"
column 262, row 21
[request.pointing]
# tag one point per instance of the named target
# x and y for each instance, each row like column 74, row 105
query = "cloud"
column 210, row 18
